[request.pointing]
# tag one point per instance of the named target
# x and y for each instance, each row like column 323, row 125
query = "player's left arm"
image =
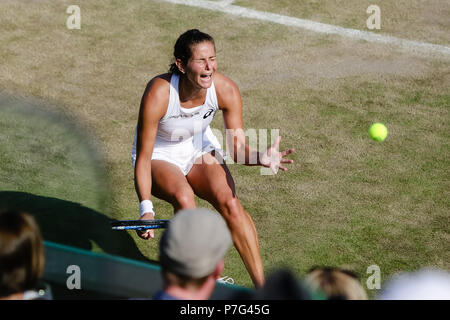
column 230, row 102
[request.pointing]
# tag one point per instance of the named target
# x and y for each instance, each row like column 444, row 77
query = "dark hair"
column 21, row 252
column 175, row 279
column 182, row 48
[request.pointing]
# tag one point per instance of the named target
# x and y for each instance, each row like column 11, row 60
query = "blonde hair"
column 336, row 284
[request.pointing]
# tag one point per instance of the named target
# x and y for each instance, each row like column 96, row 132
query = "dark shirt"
column 162, row 295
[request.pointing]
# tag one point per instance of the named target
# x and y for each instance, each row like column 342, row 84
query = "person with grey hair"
column 192, row 251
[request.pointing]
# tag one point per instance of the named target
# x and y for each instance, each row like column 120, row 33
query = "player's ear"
column 219, row 268
column 180, row 66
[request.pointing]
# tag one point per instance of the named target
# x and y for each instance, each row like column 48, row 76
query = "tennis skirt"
column 186, row 153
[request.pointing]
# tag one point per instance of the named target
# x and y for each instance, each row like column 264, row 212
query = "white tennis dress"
column 184, row 134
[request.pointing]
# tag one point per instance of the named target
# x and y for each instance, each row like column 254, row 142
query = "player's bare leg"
column 169, row 184
column 213, row 182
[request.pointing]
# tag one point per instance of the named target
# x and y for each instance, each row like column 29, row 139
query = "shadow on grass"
column 71, row 224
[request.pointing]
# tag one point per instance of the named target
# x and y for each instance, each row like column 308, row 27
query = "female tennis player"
column 175, row 154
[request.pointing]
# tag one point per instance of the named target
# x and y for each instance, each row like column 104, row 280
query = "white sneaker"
column 226, row 279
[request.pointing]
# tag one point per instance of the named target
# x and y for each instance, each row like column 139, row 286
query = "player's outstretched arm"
column 274, row 159
column 230, row 102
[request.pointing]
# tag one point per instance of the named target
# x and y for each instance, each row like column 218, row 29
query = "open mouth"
column 205, row 77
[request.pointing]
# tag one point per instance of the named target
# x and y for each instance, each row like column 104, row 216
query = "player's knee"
column 233, row 212
column 183, row 199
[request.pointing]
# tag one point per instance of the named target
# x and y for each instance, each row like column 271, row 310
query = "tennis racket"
column 139, row 224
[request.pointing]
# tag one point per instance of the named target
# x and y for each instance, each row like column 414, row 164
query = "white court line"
column 227, row 7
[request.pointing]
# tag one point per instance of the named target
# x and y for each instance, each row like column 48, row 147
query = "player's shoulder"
column 222, row 82
column 225, row 87
column 159, row 84
column 156, row 96
column 158, row 89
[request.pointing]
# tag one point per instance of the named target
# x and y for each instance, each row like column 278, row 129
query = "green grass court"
column 70, row 100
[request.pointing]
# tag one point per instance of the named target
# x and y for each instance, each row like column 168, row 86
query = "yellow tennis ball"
column 378, row 132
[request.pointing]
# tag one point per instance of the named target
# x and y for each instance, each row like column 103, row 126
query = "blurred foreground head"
column 194, row 243
column 336, row 284
column 21, row 253
column 424, row 284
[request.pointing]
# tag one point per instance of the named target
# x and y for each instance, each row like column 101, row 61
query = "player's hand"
column 273, row 159
column 150, row 233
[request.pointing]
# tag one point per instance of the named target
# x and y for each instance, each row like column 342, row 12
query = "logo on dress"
column 188, row 115
column 207, row 114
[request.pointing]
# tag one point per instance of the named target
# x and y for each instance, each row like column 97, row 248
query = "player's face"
column 202, row 65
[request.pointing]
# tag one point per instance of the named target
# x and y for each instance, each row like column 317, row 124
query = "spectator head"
column 335, row 283
column 21, row 253
column 282, row 284
column 193, row 247
column 424, row 284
